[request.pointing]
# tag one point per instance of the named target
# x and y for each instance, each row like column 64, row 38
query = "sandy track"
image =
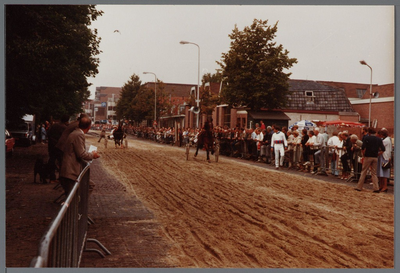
column 231, row 214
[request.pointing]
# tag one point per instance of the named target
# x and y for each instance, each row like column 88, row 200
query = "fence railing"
column 63, row 243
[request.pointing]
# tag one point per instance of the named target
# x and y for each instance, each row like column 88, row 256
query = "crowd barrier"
column 63, row 243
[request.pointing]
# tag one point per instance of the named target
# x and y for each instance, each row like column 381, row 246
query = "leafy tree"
column 128, row 93
column 208, row 77
column 136, row 102
column 253, row 69
column 208, row 99
column 50, row 53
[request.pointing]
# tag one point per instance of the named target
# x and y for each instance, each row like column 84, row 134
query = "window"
column 309, row 97
column 360, row 93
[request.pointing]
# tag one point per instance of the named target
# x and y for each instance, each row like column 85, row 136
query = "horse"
column 118, row 137
column 205, row 139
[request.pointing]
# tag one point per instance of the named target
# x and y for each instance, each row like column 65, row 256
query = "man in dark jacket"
column 371, row 148
column 54, row 135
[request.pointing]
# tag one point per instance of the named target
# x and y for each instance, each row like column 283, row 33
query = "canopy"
column 340, row 123
column 304, row 124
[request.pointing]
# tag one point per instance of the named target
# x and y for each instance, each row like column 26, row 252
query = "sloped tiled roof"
column 183, row 90
column 175, row 89
column 385, row 90
column 322, row 97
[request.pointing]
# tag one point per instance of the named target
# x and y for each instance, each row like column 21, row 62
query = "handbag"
column 386, row 165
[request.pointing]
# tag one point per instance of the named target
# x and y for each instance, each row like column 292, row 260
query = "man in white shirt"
column 319, row 144
column 333, row 143
column 279, row 144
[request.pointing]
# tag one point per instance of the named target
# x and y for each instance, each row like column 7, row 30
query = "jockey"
column 205, row 137
column 279, row 143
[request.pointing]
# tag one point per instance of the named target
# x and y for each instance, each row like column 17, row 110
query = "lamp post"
column 198, row 78
column 370, row 93
column 155, row 95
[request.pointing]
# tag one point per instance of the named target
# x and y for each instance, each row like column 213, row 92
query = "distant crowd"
column 340, row 154
column 308, row 150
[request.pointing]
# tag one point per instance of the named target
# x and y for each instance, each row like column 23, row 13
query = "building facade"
column 308, row 100
column 381, row 102
column 104, row 103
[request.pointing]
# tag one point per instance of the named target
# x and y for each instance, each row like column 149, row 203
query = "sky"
column 328, row 41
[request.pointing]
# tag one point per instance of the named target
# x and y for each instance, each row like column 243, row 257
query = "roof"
column 385, row 90
column 268, row 115
column 313, row 96
column 175, row 89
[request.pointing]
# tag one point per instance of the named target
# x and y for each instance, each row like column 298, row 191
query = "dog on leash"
column 42, row 169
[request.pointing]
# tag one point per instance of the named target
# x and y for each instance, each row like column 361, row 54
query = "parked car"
column 23, row 131
column 10, row 142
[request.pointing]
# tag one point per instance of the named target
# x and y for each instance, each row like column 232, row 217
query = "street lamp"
column 198, row 78
column 370, row 93
column 155, row 94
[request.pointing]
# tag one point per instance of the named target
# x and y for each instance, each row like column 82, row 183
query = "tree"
column 50, row 53
column 128, row 93
column 253, row 69
column 136, row 102
column 208, row 99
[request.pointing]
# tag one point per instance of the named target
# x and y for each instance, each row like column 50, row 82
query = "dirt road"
column 231, row 214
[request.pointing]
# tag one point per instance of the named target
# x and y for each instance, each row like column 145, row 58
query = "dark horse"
column 205, row 139
column 118, row 136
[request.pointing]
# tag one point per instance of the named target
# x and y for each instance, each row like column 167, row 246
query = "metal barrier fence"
column 63, row 243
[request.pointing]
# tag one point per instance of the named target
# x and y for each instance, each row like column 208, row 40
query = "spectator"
column 74, row 155
column 259, row 139
column 295, row 128
column 265, row 146
column 364, row 133
column 371, row 148
column 310, row 149
column 55, row 154
column 262, row 125
column 347, row 154
column 185, row 135
column 305, row 148
column 319, row 155
column 296, row 149
column 43, row 134
column 272, row 155
column 356, row 155
column 289, row 151
column 384, row 174
column 333, row 143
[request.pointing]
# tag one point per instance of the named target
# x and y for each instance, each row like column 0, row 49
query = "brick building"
column 177, row 95
column 105, row 100
column 382, row 102
column 308, row 100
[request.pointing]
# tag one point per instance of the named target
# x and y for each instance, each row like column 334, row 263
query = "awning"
column 268, row 115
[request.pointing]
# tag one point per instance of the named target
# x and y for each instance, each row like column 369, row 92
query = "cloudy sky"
column 328, row 41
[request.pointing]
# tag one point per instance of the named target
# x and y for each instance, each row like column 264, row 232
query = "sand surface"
column 232, row 214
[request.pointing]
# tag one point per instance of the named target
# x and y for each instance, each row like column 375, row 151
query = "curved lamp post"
column 370, row 92
column 198, row 78
column 155, row 94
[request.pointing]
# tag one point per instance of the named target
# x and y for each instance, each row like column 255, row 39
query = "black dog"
column 42, row 169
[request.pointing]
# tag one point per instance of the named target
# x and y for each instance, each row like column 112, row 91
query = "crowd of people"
column 340, row 154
